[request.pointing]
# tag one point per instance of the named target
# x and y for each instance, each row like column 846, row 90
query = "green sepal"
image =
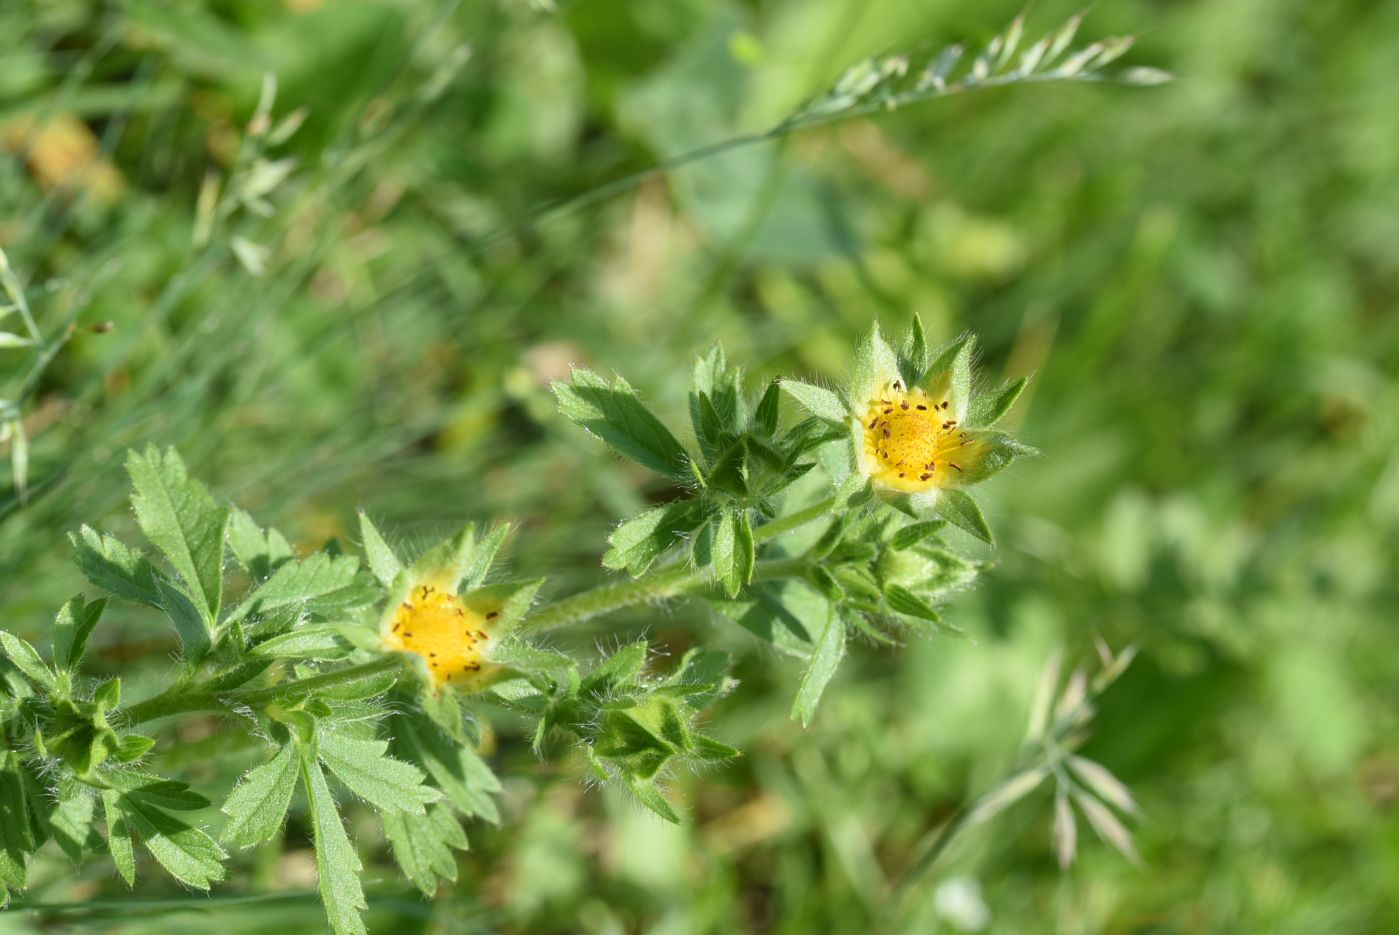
column 959, row 509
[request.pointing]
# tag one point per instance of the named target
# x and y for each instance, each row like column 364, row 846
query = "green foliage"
column 332, row 291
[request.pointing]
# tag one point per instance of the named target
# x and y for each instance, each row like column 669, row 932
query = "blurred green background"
column 1202, row 277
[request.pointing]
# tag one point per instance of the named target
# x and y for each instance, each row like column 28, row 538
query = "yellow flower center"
column 451, row 637
column 912, row 440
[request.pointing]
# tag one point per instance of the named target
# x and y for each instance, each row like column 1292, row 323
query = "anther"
column 886, row 433
column 955, row 464
column 904, row 405
column 922, row 408
column 924, row 476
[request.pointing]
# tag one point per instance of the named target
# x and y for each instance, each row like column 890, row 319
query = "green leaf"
column 16, row 839
column 998, row 452
column 817, row 400
column 27, row 659
column 617, row 417
column 913, row 355
column 119, row 836
column 261, row 553
column 649, row 794
column 71, row 629
column 637, row 543
column 872, row 367
column 183, row 521
column 113, row 566
column 187, row 854
column 906, row 602
column 383, row 563
column 192, row 627
column 156, row 792
column 989, row 408
column 337, row 864
column 311, row 642
column 257, row 806
column 423, row 844
column 914, row 533
column 825, row 658
column 786, row 614
column 455, row 768
column 765, row 419
column 733, row 551
column 318, row 584
column 951, row 375
column 367, row 770
column 959, row 509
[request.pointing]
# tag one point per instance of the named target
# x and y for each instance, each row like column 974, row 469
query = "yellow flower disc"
column 912, row 441
column 451, row 637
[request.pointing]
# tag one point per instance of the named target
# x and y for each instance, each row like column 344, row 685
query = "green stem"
column 787, row 523
column 179, row 700
column 665, row 582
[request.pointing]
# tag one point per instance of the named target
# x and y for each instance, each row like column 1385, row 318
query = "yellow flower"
column 914, row 442
column 918, row 433
column 441, row 614
column 451, row 635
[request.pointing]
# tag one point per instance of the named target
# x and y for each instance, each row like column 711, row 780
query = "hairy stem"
column 182, row 700
column 666, row 582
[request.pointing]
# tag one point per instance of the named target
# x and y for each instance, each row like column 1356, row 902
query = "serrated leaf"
column 825, row 659
column 167, row 794
column 617, row 417
column 71, row 629
column 383, row 563
column 637, row 543
column 367, row 770
column 187, row 853
column 959, row 509
column 119, row 844
column 257, row 806
column 455, row 768
column 310, row 642
column 115, row 567
column 260, row 552
column 27, row 659
column 319, row 583
column 733, row 553
column 182, row 520
column 423, row 844
column 337, row 864
column 818, row 401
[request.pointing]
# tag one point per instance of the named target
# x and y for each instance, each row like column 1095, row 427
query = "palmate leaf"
column 71, row 629
column 260, row 552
